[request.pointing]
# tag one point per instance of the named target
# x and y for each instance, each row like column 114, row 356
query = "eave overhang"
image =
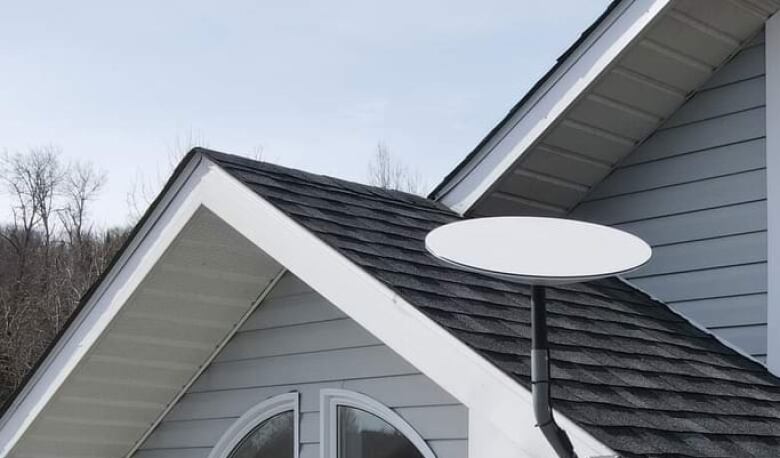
column 629, row 73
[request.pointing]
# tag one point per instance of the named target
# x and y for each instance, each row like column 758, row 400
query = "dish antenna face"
column 540, row 251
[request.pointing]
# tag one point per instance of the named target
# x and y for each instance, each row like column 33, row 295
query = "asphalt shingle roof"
column 636, row 375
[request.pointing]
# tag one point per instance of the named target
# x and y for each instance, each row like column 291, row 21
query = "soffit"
column 190, row 301
column 642, row 88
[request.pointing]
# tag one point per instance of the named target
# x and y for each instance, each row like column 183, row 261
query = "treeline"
column 50, row 253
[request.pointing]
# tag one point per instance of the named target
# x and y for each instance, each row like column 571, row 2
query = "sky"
column 315, row 84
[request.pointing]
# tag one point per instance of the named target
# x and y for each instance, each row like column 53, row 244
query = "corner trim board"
column 772, row 50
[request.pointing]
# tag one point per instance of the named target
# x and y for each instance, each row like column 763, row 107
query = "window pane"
column 364, row 435
column 273, row 438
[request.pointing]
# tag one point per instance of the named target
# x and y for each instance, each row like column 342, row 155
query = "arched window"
column 268, row 430
column 356, row 426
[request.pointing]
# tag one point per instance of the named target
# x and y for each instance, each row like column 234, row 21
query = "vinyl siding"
column 298, row 341
column 696, row 191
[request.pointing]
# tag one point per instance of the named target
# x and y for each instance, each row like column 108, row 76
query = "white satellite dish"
column 541, row 251
column 538, row 250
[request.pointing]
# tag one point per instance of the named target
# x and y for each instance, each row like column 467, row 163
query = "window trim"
column 332, row 398
column 253, row 417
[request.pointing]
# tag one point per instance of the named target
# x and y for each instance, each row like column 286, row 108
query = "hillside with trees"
column 50, row 253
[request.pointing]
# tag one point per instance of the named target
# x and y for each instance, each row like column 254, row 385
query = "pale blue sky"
column 317, row 84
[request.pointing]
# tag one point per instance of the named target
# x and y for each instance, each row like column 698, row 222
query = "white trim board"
column 623, row 25
column 772, row 50
column 498, row 406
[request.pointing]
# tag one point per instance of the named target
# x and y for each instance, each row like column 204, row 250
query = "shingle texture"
column 633, row 373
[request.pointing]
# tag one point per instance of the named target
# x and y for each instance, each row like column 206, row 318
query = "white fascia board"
column 772, row 50
column 494, row 399
column 151, row 241
column 550, row 101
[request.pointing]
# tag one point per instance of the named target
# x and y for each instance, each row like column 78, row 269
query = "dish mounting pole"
column 540, row 377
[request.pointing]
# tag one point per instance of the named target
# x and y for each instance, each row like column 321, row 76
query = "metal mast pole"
column 540, row 377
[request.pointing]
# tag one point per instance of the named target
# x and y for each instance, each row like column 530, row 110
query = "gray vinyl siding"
column 298, row 341
column 696, row 190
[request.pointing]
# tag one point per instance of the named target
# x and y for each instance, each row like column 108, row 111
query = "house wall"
column 296, row 340
column 696, row 191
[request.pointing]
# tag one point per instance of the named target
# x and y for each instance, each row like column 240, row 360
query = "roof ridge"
column 347, row 185
column 398, row 206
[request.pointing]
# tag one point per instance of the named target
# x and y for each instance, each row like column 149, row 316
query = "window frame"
column 332, row 398
column 252, row 418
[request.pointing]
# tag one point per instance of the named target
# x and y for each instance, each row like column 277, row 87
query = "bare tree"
column 387, row 172
column 256, row 152
column 46, row 174
column 80, row 186
column 181, row 145
column 146, row 187
column 49, row 253
column 33, row 180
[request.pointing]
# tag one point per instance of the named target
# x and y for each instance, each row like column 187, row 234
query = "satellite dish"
column 541, row 251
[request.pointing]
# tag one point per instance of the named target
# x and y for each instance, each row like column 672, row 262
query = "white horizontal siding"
column 696, row 191
column 297, row 341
